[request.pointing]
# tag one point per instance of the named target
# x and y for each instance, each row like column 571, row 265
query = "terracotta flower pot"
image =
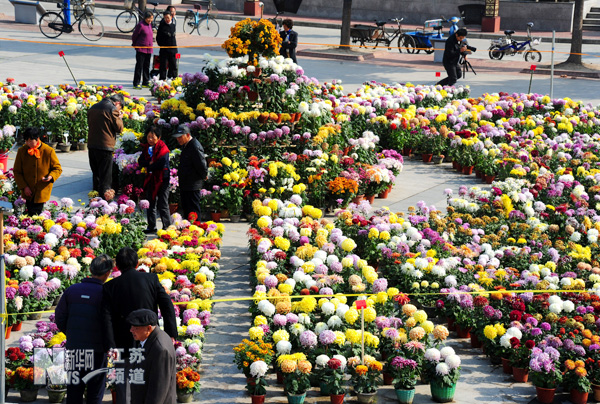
column 489, row 179
column 520, row 375
column 258, row 399
column 475, row 343
column 387, row 379
column 463, row 332
column 545, row 396
column 451, row 324
column 506, row 366
column 384, row 194
column 7, row 331
column 468, row 170
column 595, row 391
column 427, row 157
column 17, row 327
column 215, row 216
column 577, row 397
column 370, row 198
column 406, row 151
column 336, row 398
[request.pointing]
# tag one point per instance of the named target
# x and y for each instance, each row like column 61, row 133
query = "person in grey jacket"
column 157, row 383
column 79, row 315
column 192, row 163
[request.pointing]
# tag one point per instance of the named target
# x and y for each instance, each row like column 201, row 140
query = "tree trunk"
column 577, row 37
column 346, row 22
column 142, row 5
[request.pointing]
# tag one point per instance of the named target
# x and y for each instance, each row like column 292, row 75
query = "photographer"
column 455, row 50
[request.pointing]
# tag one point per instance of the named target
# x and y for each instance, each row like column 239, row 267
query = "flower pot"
column 366, row 398
column 451, row 324
column 28, row 396
column 7, row 331
column 370, row 198
column 478, row 174
column 506, row 366
column 520, row 375
column 384, row 194
column 437, row 159
column 441, row 393
column 489, row 179
column 577, row 397
column 455, row 165
column 426, row 157
column 184, row 397
column 387, row 379
column 463, row 332
column 81, row 146
column 56, row 396
column 173, row 208
column 595, row 390
column 405, row 396
column 336, row 398
column 475, row 343
column 52, row 144
column 225, row 214
column 279, row 377
column 258, row 399
column 325, row 389
column 447, row 158
column 296, row 398
column 17, row 326
column 215, row 216
column 431, row 312
column 64, row 147
column 406, row 151
column 545, row 396
column 468, row 170
column 459, row 167
column 235, row 218
column 357, row 199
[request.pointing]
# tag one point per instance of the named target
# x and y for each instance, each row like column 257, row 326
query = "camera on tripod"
column 470, row 49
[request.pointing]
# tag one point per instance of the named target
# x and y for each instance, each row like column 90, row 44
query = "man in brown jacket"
column 36, row 168
column 105, row 122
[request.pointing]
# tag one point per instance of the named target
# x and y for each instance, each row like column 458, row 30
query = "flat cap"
column 181, row 130
column 142, row 317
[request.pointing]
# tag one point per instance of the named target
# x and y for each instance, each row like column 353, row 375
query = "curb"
column 571, row 73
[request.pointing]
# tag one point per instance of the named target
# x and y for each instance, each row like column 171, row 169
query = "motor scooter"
column 454, row 21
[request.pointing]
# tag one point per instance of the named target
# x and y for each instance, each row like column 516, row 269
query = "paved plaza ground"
column 28, row 57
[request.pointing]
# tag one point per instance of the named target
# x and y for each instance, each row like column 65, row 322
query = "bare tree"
column 577, row 37
column 346, row 21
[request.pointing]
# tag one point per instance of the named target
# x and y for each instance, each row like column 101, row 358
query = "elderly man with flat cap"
column 158, row 363
column 193, row 171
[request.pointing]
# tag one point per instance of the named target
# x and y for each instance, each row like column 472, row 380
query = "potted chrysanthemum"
column 544, row 374
column 256, row 386
column 366, row 377
column 404, row 371
column 334, row 378
column 296, row 379
column 443, row 370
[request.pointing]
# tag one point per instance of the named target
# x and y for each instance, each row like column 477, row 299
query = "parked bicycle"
column 52, row 24
column 508, row 46
column 204, row 24
column 377, row 34
column 128, row 19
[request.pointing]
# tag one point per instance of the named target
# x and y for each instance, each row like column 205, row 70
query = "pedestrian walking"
column 130, row 291
column 452, row 54
column 193, row 171
column 79, row 315
column 36, row 169
column 105, row 122
column 166, row 36
column 155, row 159
column 289, row 39
column 158, row 364
column 143, row 38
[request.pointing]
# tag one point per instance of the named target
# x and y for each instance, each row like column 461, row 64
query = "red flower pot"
column 595, row 391
column 258, row 399
column 545, row 396
column 370, row 198
column 451, row 324
column 279, row 377
column 475, row 343
column 388, row 379
column 489, row 179
column 455, row 165
column 520, row 375
column 577, row 397
column 427, row 157
column 7, row 332
column 459, row 167
column 336, row 398
column 463, row 332
column 506, row 366
column 406, row 151
column 17, row 327
column 215, row 216
column 468, row 170
column 384, row 194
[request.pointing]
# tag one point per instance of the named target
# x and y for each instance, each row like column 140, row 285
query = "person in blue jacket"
column 79, row 315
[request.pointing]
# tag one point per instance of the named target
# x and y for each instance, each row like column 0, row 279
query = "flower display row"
column 317, row 340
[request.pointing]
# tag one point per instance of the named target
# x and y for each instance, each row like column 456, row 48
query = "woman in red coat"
column 155, row 158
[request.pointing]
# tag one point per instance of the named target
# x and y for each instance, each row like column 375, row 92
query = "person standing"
column 452, row 51
column 131, row 291
column 79, row 315
column 192, row 163
column 142, row 38
column 171, row 9
column 165, row 36
column 36, row 169
column 159, row 365
column 155, row 158
column 289, row 40
column 105, row 122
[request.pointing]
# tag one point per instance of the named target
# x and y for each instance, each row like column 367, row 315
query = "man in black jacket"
column 454, row 48
column 165, row 36
column 192, row 164
column 158, row 384
column 289, row 39
column 79, row 316
column 131, row 291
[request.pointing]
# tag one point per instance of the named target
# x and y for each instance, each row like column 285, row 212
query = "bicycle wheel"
column 189, row 23
column 533, row 56
column 51, row 24
column 91, row 28
column 208, row 27
column 126, row 21
column 156, row 20
column 496, row 53
column 408, row 43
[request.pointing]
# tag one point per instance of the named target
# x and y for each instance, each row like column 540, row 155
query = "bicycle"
column 128, row 19
column 52, row 24
column 508, row 46
column 204, row 24
column 377, row 34
column 276, row 21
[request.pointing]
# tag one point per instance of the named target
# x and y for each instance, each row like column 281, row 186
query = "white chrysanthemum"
column 26, row 272
column 283, row 347
column 266, row 307
column 447, row 351
column 341, row 310
column 167, row 283
column 433, row 355
column 334, row 322
column 556, row 308
column 258, row 369
column 568, row 306
column 322, row 360
column 554, row 299
column 328, row 308
column 320, row 327
column 442, row 369
column 453, row 361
